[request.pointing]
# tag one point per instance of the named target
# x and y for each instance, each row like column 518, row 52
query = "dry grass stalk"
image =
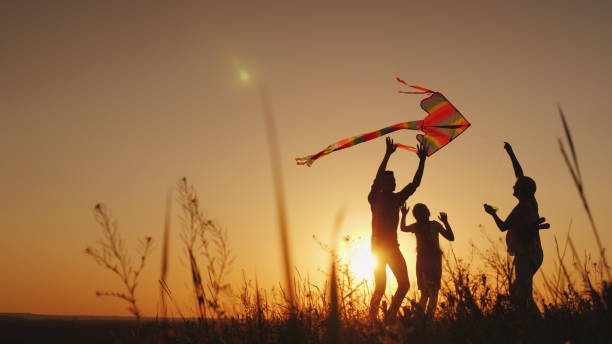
column 219, row 258
column 112, row 254
column 192, row 220
column 200, row 235
column 574, row 169
column 563, row 269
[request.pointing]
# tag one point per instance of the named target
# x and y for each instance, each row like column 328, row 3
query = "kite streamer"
column 441, row 126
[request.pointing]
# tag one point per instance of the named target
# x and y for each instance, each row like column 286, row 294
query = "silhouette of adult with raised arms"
column 429, row 255
column 385, row 204
column 523, row 237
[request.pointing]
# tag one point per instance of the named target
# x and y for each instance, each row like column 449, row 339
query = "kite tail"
column 408, row 148
column 307, row 160
column 351, row 141
column 422, row 89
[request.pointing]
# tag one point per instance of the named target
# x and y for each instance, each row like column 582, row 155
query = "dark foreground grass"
column 76, row 331
column 470, row 311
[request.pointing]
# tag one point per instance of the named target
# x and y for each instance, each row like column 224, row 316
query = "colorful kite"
column 441, row 126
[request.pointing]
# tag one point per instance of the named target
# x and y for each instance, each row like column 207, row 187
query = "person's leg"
column 420, row 274
column 535, row 262
column 522, row 280
column 423, row 299
column 525, row 268
column 433, row 302
column 434, row 276
column 399, row 269
column 380, row 282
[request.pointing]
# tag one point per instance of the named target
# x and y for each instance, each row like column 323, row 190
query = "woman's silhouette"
column 385, row 205
column 523, row 237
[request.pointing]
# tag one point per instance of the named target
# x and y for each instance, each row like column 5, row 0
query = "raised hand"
column 421, row 151
column 443, row 217
column 507, row 147
column 404, row 209
column 541, row 224
column 490, row 209
column 391, row 147
column 518, row 170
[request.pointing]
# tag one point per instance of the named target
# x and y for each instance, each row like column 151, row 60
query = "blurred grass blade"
column 571, row 144
column 164, row 262
column 166, row 290
column 334, row 325
column 575, row 172
column 279, row 192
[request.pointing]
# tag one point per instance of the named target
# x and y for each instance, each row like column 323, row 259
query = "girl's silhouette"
column 429, row 255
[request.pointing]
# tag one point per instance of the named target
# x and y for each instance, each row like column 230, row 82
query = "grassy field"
column 474, row 304
column 474, row 308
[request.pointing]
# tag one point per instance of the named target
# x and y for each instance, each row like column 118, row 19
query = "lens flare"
column 244, row 75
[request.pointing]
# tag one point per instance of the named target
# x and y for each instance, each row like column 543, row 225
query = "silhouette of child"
column 523, row 237
column 385, row 205
column 429, row 255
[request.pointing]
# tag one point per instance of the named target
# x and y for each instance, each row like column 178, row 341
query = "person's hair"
column 420, row 211
column 526, row 187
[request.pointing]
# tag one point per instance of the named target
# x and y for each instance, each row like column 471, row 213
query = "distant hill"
column 31, row 316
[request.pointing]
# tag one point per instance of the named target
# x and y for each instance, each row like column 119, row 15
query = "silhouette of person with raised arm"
column 385, row 204
column 523, row 237
column 429, row 255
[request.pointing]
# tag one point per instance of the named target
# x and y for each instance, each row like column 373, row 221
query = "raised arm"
column 389, row 150
column 493, row 212
column 518, row 171
column 383, row 166
column 418, row 175
column 447, row 231
column 409, row 189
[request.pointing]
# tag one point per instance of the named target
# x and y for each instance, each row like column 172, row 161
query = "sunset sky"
column 114, row 101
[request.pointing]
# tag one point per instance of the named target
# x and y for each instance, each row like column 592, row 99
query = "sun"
column 360, row 260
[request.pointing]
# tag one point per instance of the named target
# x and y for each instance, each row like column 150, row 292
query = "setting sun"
column 360, row 259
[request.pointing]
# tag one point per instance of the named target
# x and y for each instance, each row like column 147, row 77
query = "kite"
column 441, row 126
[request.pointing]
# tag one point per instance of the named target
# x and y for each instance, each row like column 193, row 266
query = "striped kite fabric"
column 441, row 126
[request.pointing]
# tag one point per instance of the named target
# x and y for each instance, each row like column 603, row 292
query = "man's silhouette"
column 429, row 255
column 523, row 237
column 385, row 205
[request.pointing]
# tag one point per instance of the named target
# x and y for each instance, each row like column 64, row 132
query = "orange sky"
column 114, row 102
